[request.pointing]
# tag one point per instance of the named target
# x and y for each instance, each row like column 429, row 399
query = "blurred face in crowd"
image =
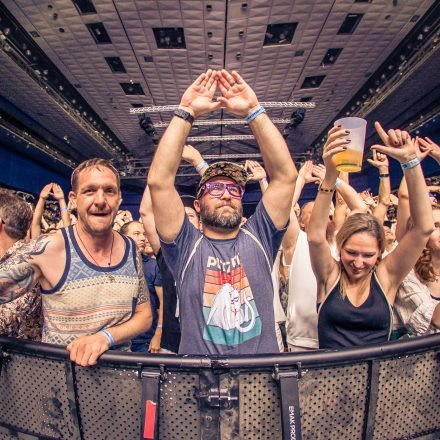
column 192, row 216
column 96, row 199
column 434, row 238
column 305, row 214
column 223, row 212
column 137, row 233
column 390, row 235
column 359, row 255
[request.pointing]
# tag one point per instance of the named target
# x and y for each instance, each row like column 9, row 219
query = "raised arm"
column 427, row 145
column 397, row 264
column 39, row 209
column 240, row 99
column 324, row 265
column 380, row 161
column 147, row 217
column 167, row 206
column 194, row 158
column 305, row 175
column 59, row 196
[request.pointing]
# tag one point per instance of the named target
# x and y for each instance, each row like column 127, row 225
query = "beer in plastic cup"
column 351, row 159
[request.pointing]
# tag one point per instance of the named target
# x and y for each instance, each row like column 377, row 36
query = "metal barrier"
column 377, row 392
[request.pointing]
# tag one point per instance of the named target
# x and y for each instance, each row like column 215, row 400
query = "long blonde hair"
column 424, row 268
column 355, row 224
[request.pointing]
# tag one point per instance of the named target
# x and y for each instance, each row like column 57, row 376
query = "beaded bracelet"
column 382, row 176
column 64, row 209
column 325, row 190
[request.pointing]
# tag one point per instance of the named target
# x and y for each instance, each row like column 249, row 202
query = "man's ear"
column 197, row 206
column 72, row 199
column 120, row 201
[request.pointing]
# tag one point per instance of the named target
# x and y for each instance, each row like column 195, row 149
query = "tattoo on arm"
column 143, row 293
column 18, row 273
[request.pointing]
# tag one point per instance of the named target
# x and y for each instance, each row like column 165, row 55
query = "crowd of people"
column 193, row 276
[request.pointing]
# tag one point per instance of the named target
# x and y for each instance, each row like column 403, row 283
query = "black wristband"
column 183, row 114
column 384, row 175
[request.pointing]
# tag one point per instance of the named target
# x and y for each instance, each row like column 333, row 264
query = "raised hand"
column 398, row 144
column 57, row 192
column 368, row 198
column 379, row 161
column 256, row 171
column 306, row 172
column 191, row 155
column 319, row 171
column 197, row 98
column 427, row 145
column 336, row 143
column 46, row 191
column 237, row 96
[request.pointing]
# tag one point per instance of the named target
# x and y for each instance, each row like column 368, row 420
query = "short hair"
column 16, row 215
column 126, row 226
column 93, row 163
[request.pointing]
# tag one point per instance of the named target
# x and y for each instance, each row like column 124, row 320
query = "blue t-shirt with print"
column 225, row 288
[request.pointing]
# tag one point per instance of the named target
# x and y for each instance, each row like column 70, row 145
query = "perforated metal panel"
column 179, row 413
column 35, row 397
column 109, row 402
column 332, row 402
column 408, row 401
column 259, row 407
column 5, row 434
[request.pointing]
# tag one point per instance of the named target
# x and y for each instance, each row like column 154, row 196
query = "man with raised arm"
column 92, row 284
column 223, row 276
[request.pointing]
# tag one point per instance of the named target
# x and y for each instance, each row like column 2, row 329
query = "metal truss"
column 64, row 105
column 224, row 122
column 171, row 108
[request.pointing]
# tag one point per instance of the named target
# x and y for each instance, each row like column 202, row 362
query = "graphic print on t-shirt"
column 229, row 309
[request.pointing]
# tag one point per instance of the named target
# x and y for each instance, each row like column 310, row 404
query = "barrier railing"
column 381, row 392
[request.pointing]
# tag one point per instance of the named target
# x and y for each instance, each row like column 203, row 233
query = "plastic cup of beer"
column 350, row 160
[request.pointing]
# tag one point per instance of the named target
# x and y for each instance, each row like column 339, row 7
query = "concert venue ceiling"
column 71, row 71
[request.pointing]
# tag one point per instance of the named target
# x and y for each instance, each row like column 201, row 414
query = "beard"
column 215, row 220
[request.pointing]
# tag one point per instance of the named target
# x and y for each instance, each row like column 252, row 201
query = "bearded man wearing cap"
column 223, row 275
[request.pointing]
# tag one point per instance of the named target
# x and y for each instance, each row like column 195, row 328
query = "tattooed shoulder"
column 26, row 253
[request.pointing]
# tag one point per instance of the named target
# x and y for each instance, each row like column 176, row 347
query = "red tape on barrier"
column 150, row 420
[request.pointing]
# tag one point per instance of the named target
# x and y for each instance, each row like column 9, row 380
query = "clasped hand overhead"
column 237, row 96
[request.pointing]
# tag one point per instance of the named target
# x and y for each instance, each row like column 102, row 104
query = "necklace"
column 109, row 276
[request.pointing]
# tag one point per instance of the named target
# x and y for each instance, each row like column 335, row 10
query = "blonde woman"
column 356, row 294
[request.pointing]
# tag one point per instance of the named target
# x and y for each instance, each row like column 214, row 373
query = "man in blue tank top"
column 223, row 275
column 92, row 283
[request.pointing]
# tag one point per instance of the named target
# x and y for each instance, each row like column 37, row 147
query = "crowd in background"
column 191, row 275
column 416, row 310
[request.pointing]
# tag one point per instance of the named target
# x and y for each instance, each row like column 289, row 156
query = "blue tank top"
column 341, row 324
column 89, row 298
